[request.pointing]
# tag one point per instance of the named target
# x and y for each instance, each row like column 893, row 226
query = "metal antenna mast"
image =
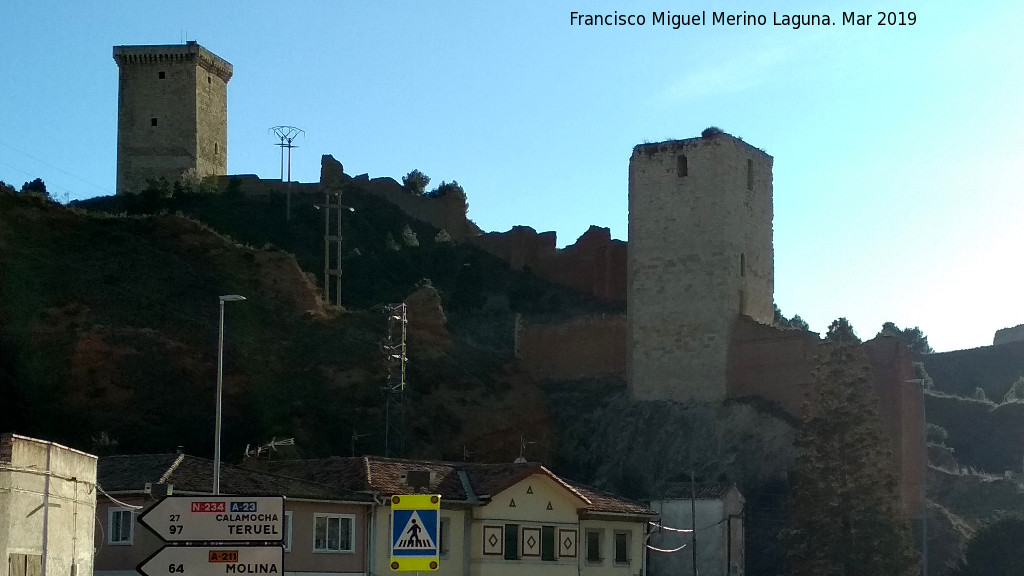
column 394, row 388
column 287, row 134
column 332, row 208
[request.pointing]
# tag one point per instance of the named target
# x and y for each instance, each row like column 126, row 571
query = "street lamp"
column 220, row 389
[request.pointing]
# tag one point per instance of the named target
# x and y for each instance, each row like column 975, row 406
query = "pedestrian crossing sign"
column 415, row 532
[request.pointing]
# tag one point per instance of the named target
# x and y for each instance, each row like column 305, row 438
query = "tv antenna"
column 287, row 135
column 522, row 448
column 268, row 447
column 357, row 437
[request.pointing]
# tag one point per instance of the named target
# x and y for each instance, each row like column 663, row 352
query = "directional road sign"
column 415, row 532
column 216, row 518
column 223, row 560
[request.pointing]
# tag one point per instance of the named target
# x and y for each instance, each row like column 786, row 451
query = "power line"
column 45, row 163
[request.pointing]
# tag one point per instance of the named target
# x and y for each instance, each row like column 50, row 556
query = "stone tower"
column 172, row 113
column 700, row 255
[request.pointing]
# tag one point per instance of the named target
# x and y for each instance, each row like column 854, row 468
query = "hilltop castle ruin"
column 697, row 276
column 172, row 114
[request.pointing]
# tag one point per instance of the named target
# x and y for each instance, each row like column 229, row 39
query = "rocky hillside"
column 109, row 330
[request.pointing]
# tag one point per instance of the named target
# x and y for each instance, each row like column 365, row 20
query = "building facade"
column 716, row 511
column 498, row 519
column 172, row 114
column 324, row 531
column 47, row 499
column 700, row 255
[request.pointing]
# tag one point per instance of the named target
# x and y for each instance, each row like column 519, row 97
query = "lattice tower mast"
column 394, row 349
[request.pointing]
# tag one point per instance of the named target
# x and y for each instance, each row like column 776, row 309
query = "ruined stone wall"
column 700, row 254
column 1004, row 335
column 172, row 113
column 776, row 365
column 583, row 348
column 595, row 264
column 447, row 212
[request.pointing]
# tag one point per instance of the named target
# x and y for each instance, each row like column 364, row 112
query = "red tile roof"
column 456, row 482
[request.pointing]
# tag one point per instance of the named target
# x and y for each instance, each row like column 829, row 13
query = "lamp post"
column 220, row 389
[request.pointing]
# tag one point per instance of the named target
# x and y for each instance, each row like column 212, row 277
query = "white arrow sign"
column 224, row 560
column 216, row 518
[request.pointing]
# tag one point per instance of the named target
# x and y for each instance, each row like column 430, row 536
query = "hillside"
column 107, row 315
column 108, row 334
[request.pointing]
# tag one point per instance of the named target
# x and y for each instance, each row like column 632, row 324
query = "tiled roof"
column 385, row 476
column 192, row 474
column 711, row 491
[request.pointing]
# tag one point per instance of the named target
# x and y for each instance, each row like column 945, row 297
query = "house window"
column 594, row 546
column 444, row 536
column 750, row 174
column 332, row 533
column 120, row 526
column 286, row 532
column 511, row 541
column 547, row 543
column 621, row 547
column 162, row 75
column 152, row 121
column 681, row 168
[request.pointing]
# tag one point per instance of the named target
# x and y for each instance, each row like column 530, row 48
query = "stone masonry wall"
column 595, row 264
column 776, row 365
column 700, row 254
column 1004, row 335
column 589, row 347
column 168, row 125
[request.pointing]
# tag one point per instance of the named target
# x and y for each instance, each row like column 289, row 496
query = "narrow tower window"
column 214, row 147
column 208, row 81
column 750, row 174
column 743, row 264
column 152, row 121
column 162, row 75
column 681, row 168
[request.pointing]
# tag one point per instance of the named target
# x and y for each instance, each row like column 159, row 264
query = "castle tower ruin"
column 172, row 113
column 700, row 255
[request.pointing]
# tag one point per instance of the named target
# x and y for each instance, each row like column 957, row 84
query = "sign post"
column 222, row 560
column 216, row 536
column 216, row 518
column 415, row 532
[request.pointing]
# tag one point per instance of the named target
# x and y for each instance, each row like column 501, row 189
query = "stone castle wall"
column 777, row 365
column 583, row 348
column 700, row 254
column 172, row 113
column 595, row 264
column 1005, row 335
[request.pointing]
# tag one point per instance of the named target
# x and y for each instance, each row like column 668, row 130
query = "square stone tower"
column 172, row 113
column 700, row 254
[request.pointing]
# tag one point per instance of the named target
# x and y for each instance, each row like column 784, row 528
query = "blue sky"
column 898, row 149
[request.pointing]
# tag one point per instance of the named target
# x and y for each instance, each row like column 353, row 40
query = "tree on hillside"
column 415, row 182
column 447, row 188
column 844, row 502
column 913, row 337
column 794, row 323
column 995, row 549
column 36, row 186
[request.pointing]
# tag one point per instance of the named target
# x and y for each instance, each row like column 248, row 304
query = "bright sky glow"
column 898, row 150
